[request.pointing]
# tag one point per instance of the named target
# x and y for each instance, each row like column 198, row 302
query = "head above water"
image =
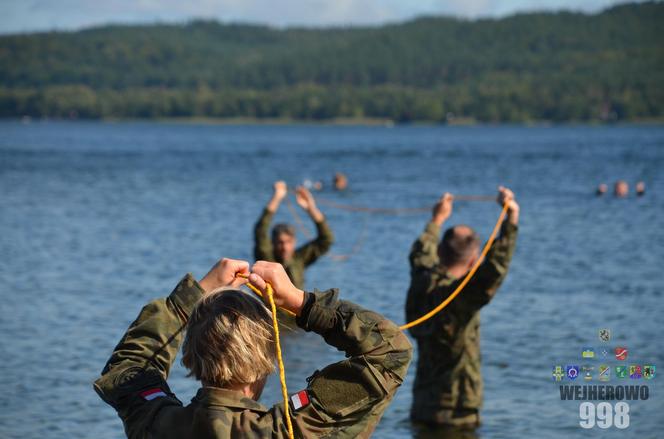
column 229, row 342
column 340, row 181
column 459, row 247
column 283, row 242
column 621, row 189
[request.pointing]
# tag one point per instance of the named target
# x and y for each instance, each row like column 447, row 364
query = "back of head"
column 229, row 340
column 458, row 246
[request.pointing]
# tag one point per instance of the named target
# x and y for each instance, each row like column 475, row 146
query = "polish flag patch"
column 151, row 394
column 300, row 399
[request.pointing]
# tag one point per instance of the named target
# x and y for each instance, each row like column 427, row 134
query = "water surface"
column 99, row 218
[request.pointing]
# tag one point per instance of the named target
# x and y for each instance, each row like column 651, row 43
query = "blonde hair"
column 229, row 339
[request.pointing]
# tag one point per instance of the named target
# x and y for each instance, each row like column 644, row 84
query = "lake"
column 99, row 218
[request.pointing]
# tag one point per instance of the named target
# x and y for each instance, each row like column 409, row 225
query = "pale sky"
column 39, row 15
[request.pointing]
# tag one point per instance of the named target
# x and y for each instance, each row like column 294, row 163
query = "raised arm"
column 263, row 249
column 490, row 275
column 134, row 378
column 346, row 398
column 424, row 251
column 316, row 248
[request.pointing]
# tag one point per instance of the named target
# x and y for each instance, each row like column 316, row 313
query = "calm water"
column 99, row 218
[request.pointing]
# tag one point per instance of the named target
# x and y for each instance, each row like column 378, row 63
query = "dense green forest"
column 527, row 67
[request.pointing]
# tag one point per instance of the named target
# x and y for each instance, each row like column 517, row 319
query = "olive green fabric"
column 347, row 399
column 448, row 383
column 304, row 255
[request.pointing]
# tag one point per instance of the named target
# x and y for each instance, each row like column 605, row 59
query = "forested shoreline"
column 556, row 67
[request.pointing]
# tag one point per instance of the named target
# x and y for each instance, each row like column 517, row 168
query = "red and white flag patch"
column 151, row 394
column 300, row 399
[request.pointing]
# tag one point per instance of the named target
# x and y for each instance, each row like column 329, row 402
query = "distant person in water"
column 640, row 189
column 281, row 246
column 313, row 185
column 621, row 189
column 340, row 181
column 601, row 189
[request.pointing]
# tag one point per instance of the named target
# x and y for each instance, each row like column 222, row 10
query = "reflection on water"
column 98, row 218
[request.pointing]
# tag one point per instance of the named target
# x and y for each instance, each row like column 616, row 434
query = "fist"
column 280, row 189
column 443, row 209
column 286, row 295
column 223, row 274
column 506, row 197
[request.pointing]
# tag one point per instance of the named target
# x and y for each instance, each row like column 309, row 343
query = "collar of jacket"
column 216, row 397
column 442, row 276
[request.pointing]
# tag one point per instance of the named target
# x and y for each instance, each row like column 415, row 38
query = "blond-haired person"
column 229, row 348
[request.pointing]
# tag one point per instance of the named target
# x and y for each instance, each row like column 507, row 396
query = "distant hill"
column 541, row 66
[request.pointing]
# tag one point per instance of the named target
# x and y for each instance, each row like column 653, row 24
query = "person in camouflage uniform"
column 281, row 248
column 343, row 400
column 448, row 383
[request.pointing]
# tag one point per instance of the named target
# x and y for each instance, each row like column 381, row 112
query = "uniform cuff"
column 186, row 294
column 509, row 228
column 433, row 229
column 319, row 311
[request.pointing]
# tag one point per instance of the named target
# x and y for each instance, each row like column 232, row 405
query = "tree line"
column 528, row 67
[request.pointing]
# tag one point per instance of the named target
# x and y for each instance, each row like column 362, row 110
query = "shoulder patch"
column 300, row 399
column 151, row 394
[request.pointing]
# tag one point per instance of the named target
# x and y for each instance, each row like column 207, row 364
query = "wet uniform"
column 303, row 257
column 345, row 399
column 448, row 383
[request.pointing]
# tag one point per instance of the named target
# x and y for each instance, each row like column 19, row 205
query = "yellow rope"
column 280, row 360
column 466, row 279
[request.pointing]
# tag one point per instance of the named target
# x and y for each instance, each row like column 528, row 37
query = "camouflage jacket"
column 345, row 399
column 448, row 369
column 303, row 257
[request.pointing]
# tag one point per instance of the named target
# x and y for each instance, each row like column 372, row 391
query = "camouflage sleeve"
column 263, row 250
column 348, row 398
column 134, row 378
column 424, row 252
column 483, row 286
column 313, row 250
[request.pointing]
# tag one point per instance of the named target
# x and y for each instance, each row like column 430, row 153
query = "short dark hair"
column 282, row 229
column 458, row 247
